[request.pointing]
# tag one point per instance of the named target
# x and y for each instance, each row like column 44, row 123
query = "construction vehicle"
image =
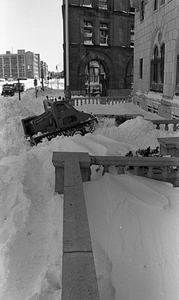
column 59, row 118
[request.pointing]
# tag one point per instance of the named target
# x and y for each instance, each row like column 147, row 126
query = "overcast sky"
column 33, row 25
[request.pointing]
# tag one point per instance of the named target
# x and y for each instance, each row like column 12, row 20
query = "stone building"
column 21, row 64
column 156, row 56
column 101, row 41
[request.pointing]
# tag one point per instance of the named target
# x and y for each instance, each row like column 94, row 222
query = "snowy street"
column 133, row 220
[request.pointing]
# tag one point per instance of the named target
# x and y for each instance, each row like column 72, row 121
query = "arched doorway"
column 95, row 79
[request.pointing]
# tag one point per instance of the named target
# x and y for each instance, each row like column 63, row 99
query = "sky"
column 133, row 220
column 29, row 24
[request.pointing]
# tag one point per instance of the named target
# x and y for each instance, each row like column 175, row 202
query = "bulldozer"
column 59, row 118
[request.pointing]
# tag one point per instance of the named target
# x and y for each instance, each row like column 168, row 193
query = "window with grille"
column 88, row 33
column 103, row 39
column 103, row 4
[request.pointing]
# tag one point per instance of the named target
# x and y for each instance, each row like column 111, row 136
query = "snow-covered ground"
column 57, row 84
column 133, row 220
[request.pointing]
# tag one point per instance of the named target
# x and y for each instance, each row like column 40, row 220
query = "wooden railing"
column 112, row 100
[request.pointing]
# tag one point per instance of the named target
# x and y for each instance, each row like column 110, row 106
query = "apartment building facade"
column 156, row 55
column 21, row 64
column 101, row 40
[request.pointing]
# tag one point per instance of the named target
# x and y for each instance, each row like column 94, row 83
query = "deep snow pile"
column 139, row 132
column 135, row 236
column 133, row 220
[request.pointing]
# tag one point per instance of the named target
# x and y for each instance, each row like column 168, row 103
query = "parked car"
column 8, row 90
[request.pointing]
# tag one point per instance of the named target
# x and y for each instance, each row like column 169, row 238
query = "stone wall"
column 159, row 26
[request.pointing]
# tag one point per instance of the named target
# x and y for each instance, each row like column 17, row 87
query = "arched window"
column 157, row 69
column 162, row 64
column 155, row 74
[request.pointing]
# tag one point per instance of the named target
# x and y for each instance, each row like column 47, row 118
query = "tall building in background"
column 101, row 41
column 156, row 55
column 32, row 64
column 20, row 64
column 12, row 65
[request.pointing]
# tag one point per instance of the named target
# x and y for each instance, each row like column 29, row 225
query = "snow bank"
column 135, row 237
column 133, row 220
column 30, row 239
column 139, row 132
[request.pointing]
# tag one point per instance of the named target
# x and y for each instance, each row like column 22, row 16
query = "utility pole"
column 67, row 87
column 42, row 75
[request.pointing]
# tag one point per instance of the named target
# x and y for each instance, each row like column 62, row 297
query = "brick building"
column 156, row 55
column 101, row 39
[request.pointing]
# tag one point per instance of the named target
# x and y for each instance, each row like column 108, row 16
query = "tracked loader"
column 59, row 118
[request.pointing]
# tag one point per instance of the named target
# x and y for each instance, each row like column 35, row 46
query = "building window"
column 141, row 68
column 142, row 5
column 156, row 62
column 88, row 3
column 103, row 39
column 177, row 78
column 132, row 37
column 132, row 10
column 103, row 4
column 155, row 4
column 162, row 63
column 88, row 33
column 162, row 2
column 157, row 69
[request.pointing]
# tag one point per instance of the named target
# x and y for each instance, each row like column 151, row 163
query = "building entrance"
column 95, row 79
